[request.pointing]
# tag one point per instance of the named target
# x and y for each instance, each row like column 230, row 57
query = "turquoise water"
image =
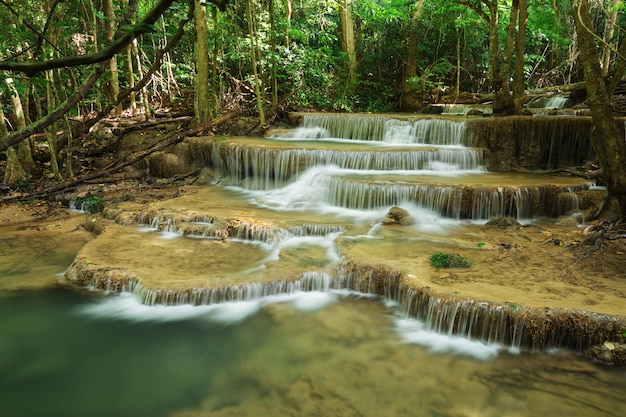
column 68, row 354
column 65, row 353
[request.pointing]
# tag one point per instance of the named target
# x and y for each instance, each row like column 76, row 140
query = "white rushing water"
column 125, row 307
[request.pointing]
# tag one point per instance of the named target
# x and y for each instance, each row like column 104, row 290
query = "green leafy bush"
column 449, row 260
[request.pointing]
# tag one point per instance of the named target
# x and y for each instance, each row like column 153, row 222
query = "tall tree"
column 409, row 102
column 347, row 42
column 519, row 76
column 113, row 85
column 252, row 32
column 606, row 139
column 202, row 97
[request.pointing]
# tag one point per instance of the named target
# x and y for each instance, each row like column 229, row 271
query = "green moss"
column 449, row 260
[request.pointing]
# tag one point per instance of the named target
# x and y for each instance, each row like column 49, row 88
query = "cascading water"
column 351, row 170
column 371, row 162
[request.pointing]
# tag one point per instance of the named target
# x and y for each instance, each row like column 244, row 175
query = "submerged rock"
column 397, row 215
column 609, row 352
column 503, row 222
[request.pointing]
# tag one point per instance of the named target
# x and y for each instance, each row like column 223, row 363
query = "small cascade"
column 457, row 202
column 309, row 281
column 260, row 168
column 444, row 200
column 556, row 101
column 258, row 232
column 315, row 230
column 346, row 126
column 464, row 109
column 424, row 131
column 428, row 131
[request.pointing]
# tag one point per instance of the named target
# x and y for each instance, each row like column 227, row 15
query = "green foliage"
column 431, row 78
column 92, row 204
column 448, row 260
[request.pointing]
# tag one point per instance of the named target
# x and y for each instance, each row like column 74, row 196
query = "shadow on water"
column 56, row 361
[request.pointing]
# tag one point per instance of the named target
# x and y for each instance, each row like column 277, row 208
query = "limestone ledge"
column 597, row 335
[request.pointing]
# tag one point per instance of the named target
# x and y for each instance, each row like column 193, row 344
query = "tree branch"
column 57, row 113
column 118, row 44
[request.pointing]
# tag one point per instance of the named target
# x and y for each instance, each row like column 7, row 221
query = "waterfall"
column 443, row 200
column 388, row 130
column 260, row 168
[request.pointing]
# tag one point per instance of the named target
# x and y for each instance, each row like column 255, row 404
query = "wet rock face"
column 397, row 215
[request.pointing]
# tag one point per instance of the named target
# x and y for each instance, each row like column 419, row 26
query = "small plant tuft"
column 92, row 204
column 449, row 260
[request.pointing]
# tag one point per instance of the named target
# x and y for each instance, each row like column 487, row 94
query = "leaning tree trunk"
column 23, row 148
column 606, row 139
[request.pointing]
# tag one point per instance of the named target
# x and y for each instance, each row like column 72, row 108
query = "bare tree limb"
column 57, row 113
column 118, row 44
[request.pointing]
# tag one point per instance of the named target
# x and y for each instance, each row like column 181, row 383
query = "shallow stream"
column 337, row 353
column 64, row 353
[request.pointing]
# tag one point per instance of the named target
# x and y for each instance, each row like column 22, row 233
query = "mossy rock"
column 449, row 260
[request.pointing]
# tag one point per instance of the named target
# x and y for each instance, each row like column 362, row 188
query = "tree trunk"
column 519, row 78
column 494, row 47
column 215, row 70
column 503, row 101
column 113, row 86
column 609, row 30
column 202, row 98
column 51, row 131
column 23, row 148
column 347, row 43
column 144, row 99
column 274, row 76
column 409, row 101
column 606, row 139
column 255, row 72
column 288, row 12
column 457, row 84
column 14, row 171
column 131, row 79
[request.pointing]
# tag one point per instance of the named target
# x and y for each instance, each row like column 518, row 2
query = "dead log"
column 117, row 166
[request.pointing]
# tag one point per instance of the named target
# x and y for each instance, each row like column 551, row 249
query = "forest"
column 65, row 65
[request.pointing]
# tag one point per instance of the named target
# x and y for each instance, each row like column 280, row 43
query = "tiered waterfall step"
column 470, row 196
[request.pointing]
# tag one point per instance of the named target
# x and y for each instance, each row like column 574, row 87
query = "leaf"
column 609, row 345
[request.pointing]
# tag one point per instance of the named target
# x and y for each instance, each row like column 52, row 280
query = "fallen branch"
column 132, row 159
column 589, row 175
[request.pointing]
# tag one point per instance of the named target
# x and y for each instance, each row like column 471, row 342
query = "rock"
column 503, row 222
column 609, row 352
column 397, row 215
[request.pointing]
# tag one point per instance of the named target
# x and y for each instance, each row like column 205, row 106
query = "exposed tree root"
column 597, row 234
